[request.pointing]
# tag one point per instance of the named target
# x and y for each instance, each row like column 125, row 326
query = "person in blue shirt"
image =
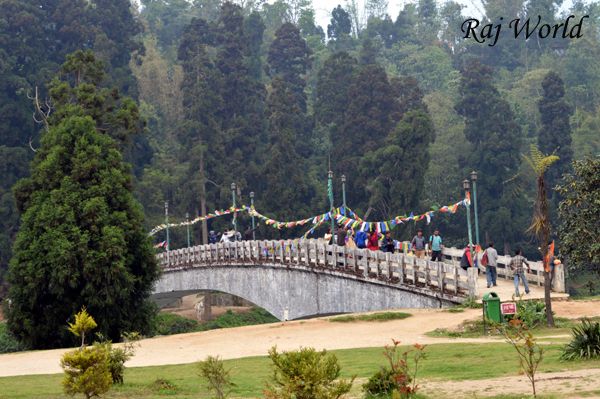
column 435, row 243
column 361, row 239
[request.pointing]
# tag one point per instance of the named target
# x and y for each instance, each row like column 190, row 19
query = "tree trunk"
column 548, row 299
column 203, row 200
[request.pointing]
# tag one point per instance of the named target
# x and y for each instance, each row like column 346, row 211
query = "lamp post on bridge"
column 187, row 221
column 344, row 192
column 234, row 214
column 167, row 223
column 252, row 207
column 468, row 206
column 474, row 180
column 330, row 194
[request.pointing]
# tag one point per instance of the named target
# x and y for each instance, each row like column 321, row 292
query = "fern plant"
column 585, row 343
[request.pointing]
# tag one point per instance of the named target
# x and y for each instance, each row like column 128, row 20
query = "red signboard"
column 508, row 308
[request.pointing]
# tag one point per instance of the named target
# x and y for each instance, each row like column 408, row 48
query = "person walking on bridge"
column 373, row 242
column 418, row 244
column 490, row 261
column 435, row 243
column 516, row 265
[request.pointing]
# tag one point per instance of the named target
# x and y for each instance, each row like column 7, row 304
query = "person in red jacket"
column 373, row 242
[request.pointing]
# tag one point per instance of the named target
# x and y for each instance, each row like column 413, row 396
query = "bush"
column 381, row 384
column 399, row 378
column 585, row 343
column 385, row 316
column 306, row 374
column 8, row 342
column 118, row 356
column 86, row 371
column 169, row 323
column 531, row 313
column 230, row 319
column 217, row 377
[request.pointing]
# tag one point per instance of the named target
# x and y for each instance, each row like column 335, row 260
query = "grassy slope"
column 444, row 361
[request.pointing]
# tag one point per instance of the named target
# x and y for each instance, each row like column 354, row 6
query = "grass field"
column 382, row 316
column 444, row 361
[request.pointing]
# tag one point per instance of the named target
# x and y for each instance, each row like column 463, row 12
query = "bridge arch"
column 298, row 291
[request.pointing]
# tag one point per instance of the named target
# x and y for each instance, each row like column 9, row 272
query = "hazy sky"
column 323, row 8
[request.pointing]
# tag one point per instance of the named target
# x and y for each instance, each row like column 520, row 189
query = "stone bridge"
column 295, row 279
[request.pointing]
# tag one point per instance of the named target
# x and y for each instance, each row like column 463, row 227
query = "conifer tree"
column 555, row 133
column 81, row 240
column 495, row 140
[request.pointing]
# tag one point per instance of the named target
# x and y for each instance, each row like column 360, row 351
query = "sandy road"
column 257, row 340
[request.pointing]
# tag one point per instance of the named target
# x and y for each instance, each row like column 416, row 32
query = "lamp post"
column 187, row 220
column 330, row 194
column 474, row 180
column 344, row 192
column 167, row 223
column 234, row 214
column 466, row 187
column 252, row 207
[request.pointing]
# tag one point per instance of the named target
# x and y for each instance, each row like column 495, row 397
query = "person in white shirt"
column 491, row 273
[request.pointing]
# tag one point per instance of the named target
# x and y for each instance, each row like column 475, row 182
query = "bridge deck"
column 400, row 270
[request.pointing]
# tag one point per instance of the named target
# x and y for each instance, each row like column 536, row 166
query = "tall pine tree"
column 495, row 140
column 81, row 241
column 555, row 133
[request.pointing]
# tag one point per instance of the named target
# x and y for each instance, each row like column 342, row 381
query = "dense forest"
column 259, row 94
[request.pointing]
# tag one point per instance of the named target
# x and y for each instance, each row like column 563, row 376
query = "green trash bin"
column 491, row 307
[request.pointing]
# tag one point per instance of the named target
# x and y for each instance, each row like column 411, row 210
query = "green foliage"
column 585, row 343
column 399, row 377
column 86, row 371
column 217, row 378
column 306, row 374
column 579, row 213
column 169, row 323
column 231, row 319
column 82, row 240
column 531, row 313
column 83, row 324
column 8, row 343
column 117, row 356
column 385, row 316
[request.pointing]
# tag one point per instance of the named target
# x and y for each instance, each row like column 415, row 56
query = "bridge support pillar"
column 558, row 282
column 472, row 281
column 203, row 307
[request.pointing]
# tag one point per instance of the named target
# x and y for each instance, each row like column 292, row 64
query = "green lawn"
column 444, row 361
column 382, row 316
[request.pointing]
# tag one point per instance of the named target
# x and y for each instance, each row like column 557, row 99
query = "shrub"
column 163, row 387
column 169, row 323
column 384, row 316
column 230, row 319
column 531, row 313
column 83, row 323
column 399, row 378
column 381, row 384
column 8, row 342
column 530, row 353
column 585, row 343
column 86, row 371
column 118, row 356
column 306, row 374
column 217, row 378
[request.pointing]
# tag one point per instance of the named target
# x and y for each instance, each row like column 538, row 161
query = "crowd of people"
column 376, row 241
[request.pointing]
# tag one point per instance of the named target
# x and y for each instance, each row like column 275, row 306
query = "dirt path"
column 570, row 383
column 256, row 340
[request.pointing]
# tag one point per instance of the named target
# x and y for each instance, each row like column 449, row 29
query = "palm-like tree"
column 540, row 223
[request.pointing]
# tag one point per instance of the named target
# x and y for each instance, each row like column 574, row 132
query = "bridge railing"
column 447, row 278
column 536, row 276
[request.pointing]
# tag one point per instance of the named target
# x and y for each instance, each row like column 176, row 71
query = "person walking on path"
column 435, row 243
column 516, row 265
column 373, row 242
column 491, row 273
column 418, row 244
